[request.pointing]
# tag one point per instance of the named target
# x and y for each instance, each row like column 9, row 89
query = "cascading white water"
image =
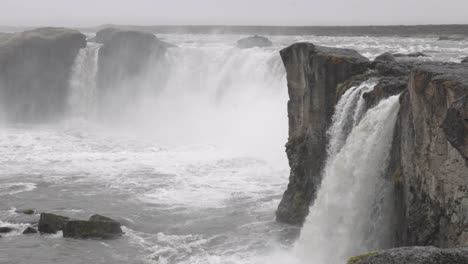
column 348, row 112
column 83, row 94
column 345, row 218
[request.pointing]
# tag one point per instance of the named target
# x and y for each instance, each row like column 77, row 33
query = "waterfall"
column 350, row 213
column 83, row 95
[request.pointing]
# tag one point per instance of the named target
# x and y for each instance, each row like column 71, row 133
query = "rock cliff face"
column 434, row 162
column 313, row 75
column 429, row 157
column 415, row 255
column 125, row 54
column 34, row 71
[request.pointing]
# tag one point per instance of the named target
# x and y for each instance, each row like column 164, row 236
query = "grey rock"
column 34, row 72
column 386, row 87
column 99, row 227
column 434, row 172
column 410, row 55
column 26, row 211
column 254, row 41
column 6, row 229
column 29, row 230
column 313, row 76
column 385, row 57
column 418, row 255
column 125, row 54
column 51, row 223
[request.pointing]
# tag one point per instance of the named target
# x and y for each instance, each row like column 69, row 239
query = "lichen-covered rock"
column 313, row 75
column 254, row 41
column 417, row 255
column 432, row 154
column 98, row 226
column 52, row 223
column 35, row 67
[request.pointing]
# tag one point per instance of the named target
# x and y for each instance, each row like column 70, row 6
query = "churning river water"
column 194, row 171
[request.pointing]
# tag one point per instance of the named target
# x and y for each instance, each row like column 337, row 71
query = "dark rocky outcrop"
column 34, row 72
column 386, row 87
column 254, row 41
column 313, row 74
column 6, row 229
column 433, row 163
column 26, row 211
column 415, row 255
column 51, row 223
column 98, row 226
column 452, row 37
column 125, row 54
column 29, row 230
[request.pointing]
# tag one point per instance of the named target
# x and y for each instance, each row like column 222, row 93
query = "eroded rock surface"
column 98, row 226
column 35, row 67
column 313, row 74
column 52, row 223
column 417, row 255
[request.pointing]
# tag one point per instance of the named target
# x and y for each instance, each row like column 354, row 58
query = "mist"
column 241, row 12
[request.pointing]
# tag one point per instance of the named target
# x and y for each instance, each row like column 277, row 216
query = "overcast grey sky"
column 232, row 12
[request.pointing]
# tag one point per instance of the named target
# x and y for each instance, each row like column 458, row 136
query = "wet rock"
column 410, row 55
column 6, row 229
column 51, row 223
column 254, row 41
column 98, row 226
column 313, row 74
column 386, row 87
column 29, row 230
column 125, row 55
column 392, row 68
column 465, row 60
column 433, row 156
column 26, row 211
column 35, row 67
column 385, row 57
column 452, row 37
column 417, row 255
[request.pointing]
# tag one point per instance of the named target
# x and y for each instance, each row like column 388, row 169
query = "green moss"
column 356, row 259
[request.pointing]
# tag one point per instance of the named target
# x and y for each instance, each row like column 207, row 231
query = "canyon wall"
column 35, row 68
column 428, row 166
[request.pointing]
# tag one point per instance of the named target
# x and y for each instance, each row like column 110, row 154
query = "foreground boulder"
column 414, row 255
column 313, row 75
column 98, row 226
column 35, row 67
column 51, row 223
column 254, row 41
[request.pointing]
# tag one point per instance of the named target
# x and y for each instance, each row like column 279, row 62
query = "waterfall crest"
column 347, row 217
column 83, row 93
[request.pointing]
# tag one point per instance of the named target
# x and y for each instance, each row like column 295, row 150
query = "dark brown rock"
column 51, row 223
column 313, row 75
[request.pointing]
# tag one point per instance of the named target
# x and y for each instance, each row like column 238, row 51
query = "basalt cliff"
column 429, row 155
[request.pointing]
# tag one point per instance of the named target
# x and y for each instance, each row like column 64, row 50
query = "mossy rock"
column 356, row 259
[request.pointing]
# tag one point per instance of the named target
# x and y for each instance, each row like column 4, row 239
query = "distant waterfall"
column 350, row 214
column 83, row 97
